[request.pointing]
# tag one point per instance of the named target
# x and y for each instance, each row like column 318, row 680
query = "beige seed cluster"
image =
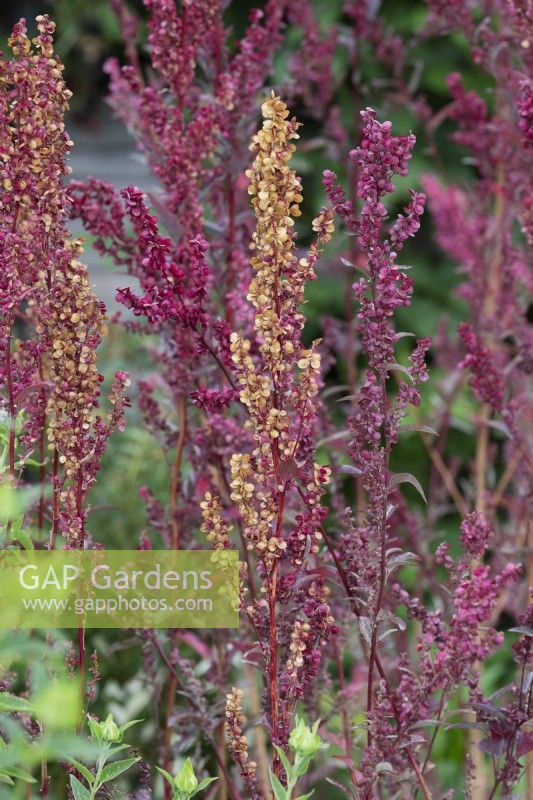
column 213, row 525
column 277, row 376
column 68, row 318
column 33, row 155
column 320, row 592
column 73, row 318
column 235, row 721
column 299, row 636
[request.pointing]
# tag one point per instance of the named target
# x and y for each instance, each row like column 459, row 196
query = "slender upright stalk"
column 273, row 640
column 11, row 408
column 176, row 472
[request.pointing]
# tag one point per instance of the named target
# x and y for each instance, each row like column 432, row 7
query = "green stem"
column 96, row 784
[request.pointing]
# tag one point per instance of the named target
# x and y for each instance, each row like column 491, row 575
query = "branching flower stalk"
column 51, row 321
column 375, row 421
column 279, row 387
column 46, row 287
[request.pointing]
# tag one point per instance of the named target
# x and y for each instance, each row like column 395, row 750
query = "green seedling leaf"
column 277, row 788
column 166, row 775
column 94, row 727
column 10, row 702
column 78, row 789
column 203, row 785
column 301, row 765
column 284, row 760
column 118, row 749
column 24, row 538
column 21, row 774
column 130, row 724
column 115, row 769
column 82, row 769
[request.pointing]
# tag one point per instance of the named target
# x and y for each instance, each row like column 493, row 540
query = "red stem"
column 55, row 502
column 230, row 272
column 45, row 780
column 382, row 536
column 176, row 473
column 11, row 406
column 81, row 651
column 42, row 467
column 348, row 744
column 273, row 641
column 379, row 666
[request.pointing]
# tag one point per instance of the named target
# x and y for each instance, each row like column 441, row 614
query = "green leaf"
column 166, row 775
column 130, row 724
column 117, row 749
column 82, row 769
column 24, row 538
column 305, row 796
column 10, row 702
column 117, row 768
column 94, row 727
column 21, row 774
column 277, row 788
column 284, row 760
column 301, row 765
column 4, row 778
column 203, row 785
column 78, row 789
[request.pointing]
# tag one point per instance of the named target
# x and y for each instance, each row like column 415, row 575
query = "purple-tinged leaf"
column 426, row 723
column 399, row 368
column 493, row 747
column 477, row 726
column 412, row 428
column 524, row 743
column 331, row 390
column 490, row 711
column 498, row 425
column 342, row 788
column 407, row 477
column 525, row 630
column 365, row 626
column 401, row 560
column 348, row 469
column 335, row 437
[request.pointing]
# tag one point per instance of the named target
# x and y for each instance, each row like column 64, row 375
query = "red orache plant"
column 51, row 321
column 238, row 401
column 282, row 413
column 49, row 378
